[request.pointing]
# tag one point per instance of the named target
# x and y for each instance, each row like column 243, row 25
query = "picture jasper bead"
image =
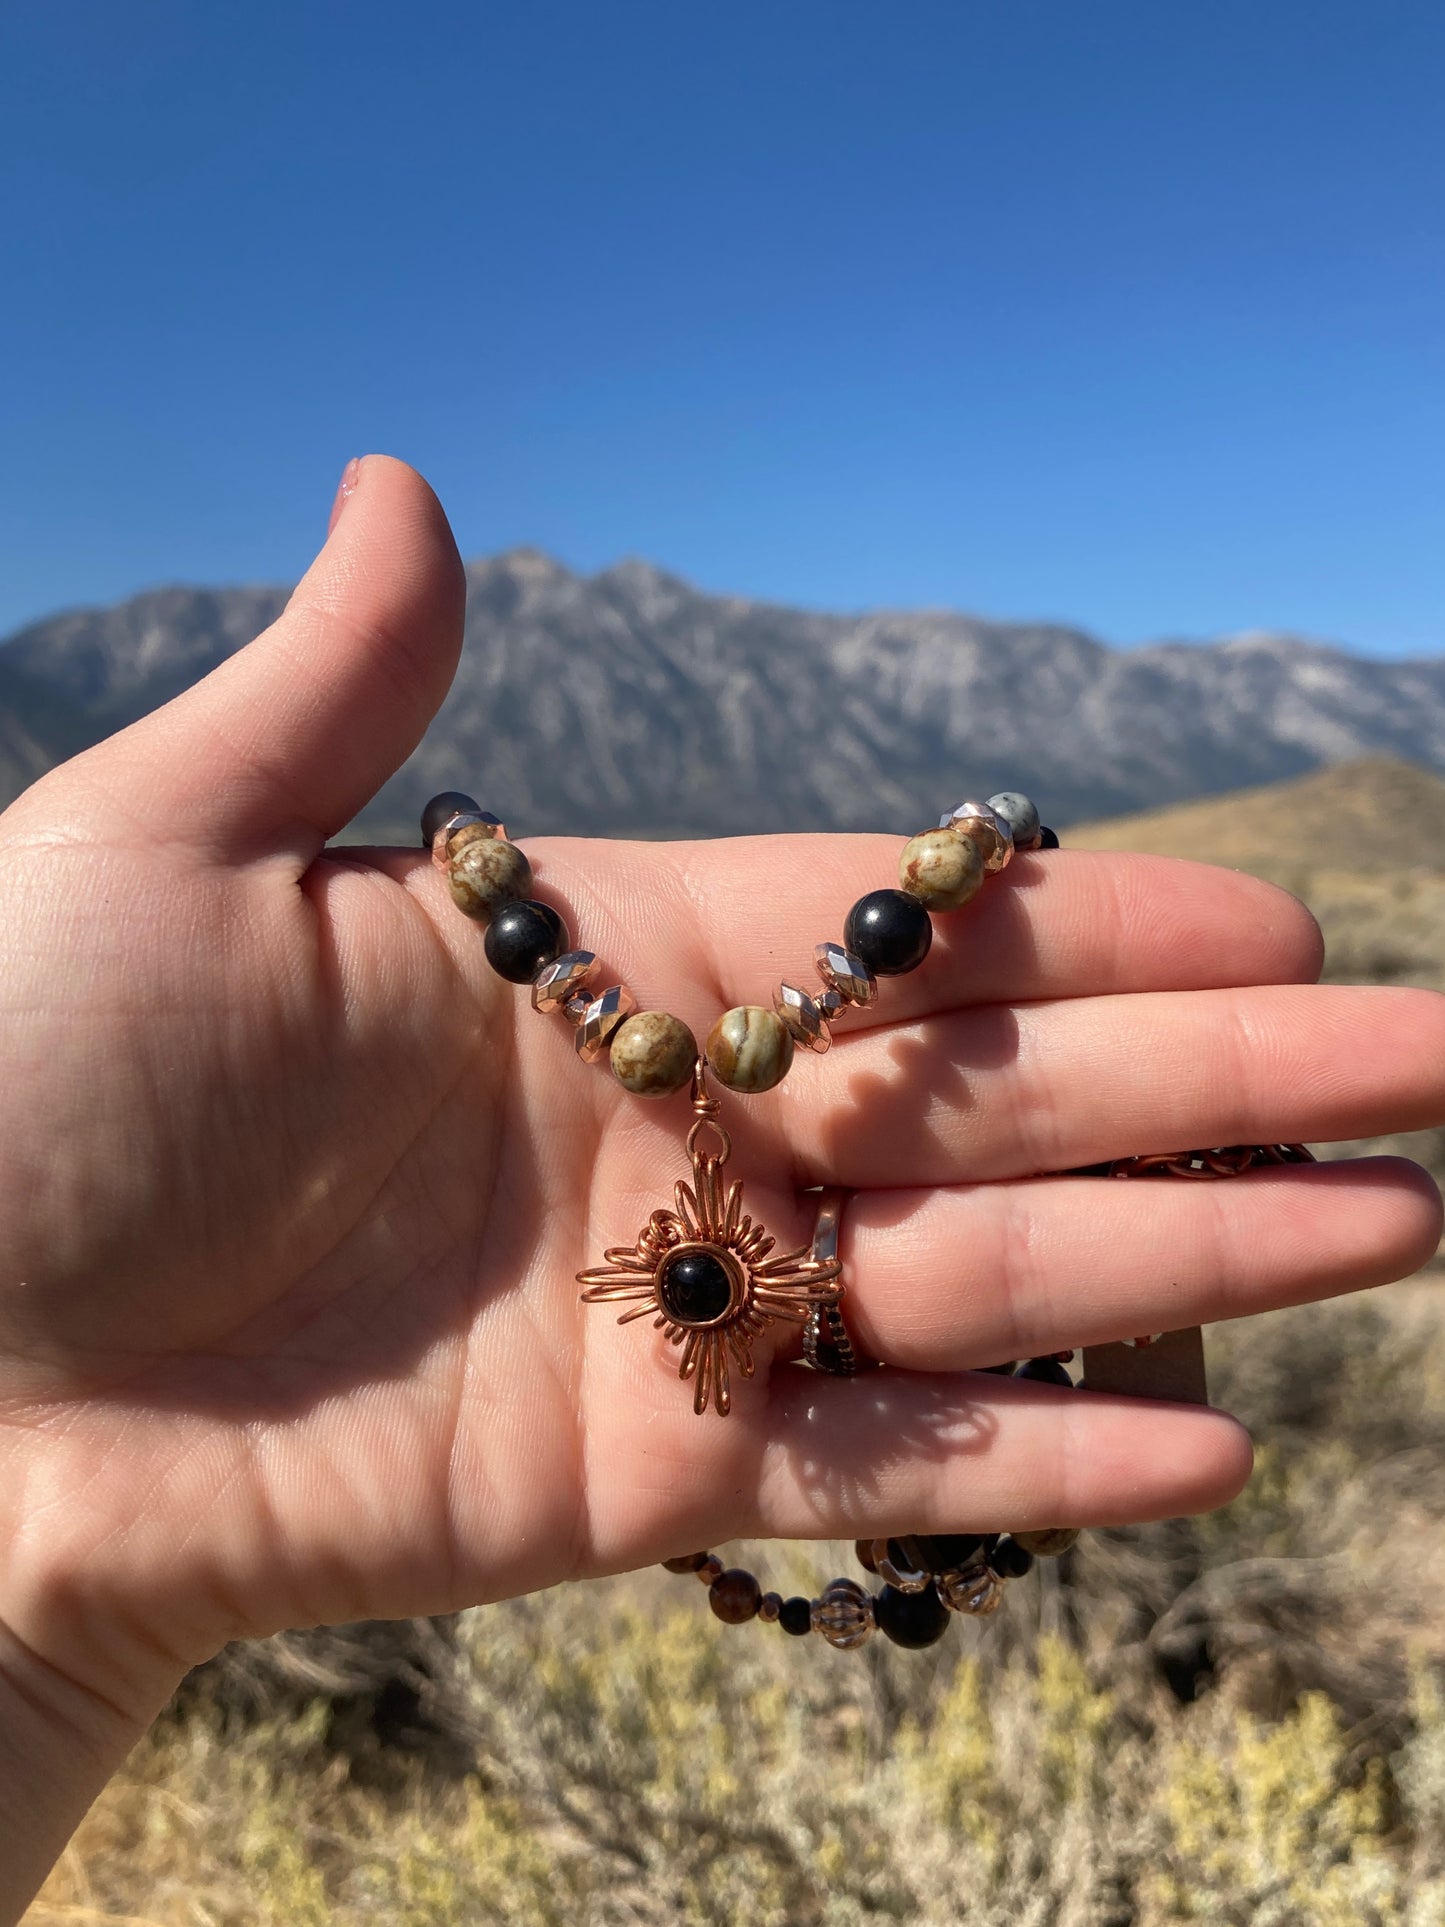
column 653, row 1054
column 485, row 875
column 750, row 1049
column 942, row 869
column 522, row 937
column 735, row 1596
column 889, row 931
column 449, row 803
column 912, row 1619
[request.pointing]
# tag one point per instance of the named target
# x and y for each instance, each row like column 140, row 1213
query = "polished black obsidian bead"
column 1009, row 1560
column 522, row 937
column 439, row 809
column 947, row 1551
column 889, row 931
column 911, row 1618
column 1048, row 839
column 695, row 1288
column 796, row 1616
column 1044, row 1371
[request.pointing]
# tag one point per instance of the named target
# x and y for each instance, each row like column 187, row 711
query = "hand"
column 294, row 1189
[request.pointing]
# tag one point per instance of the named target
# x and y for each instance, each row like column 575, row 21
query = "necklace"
column 708, row 1276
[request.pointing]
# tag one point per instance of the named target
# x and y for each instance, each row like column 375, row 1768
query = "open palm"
column 294, row 1189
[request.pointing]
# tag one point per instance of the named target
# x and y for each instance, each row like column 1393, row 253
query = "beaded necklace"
column 709, row 1277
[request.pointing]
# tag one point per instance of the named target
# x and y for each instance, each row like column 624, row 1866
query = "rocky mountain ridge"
column 628, row 702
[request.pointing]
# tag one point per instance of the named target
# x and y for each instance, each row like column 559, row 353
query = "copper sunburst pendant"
column 706, row 1274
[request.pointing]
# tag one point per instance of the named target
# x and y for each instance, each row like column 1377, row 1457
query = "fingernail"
column 346, row 488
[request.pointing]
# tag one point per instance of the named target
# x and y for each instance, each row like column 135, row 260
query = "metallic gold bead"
column 848, row 975
column 942, row 868
column 750, row 1049
column 600, row 1019
column 973, row 1590
column 987, row 829
column 653, row 1054
column 566, row 976
column 844, row 1614
column 1049, row 1543
column 897, row 1562
column 805, row 1021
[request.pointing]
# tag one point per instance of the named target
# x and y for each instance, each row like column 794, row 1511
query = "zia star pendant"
column 707, row 1275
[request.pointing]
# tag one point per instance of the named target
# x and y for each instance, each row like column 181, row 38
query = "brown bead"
column 1049, row 1543
column 769, row 1606
column 710, row 1569
column 749, row 1049
column 942, row 869
column 735, row 1596
column 653, row 1054
column 690, row 1562
column 485, row 874
column 863, row 1551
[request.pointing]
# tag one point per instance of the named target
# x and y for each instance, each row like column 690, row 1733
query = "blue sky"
column 1130, row 315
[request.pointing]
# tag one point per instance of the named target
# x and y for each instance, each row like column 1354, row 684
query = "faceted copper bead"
column 899, row 1563
column 804, row 1020
column 710, row 1568
column 769, row 1606
column 845, row 973
column 564, row 977
column 844, row 1614
column 831, row 1004
column 735, row 1596
column 988, row 830
column 973, row 1590
column 600, row 1020
column 468, row 826
column 653, row 1054
column 1047, row 1544
column 943, row 869
column 750, row 1049
column 485, row 874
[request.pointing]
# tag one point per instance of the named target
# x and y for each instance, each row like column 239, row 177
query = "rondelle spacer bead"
column 843, row 1614
column 942, row 869
column 803, row 1017
column 899, row 1562
column 522, row 938
column 565, row 977
column 689, row 1562
column 988, row 830
column 796, row 1616
column 844, row 973
column 436, row 812
column 769, row 1606
column 1019, row 812
column 1048, row 1543
column 709, row 1569
column 749, row 1049
column 485, row 874
column 912, row 1619
column 652, row 1053
column 889, row 931
column 735, row 1596
column 600, row 1020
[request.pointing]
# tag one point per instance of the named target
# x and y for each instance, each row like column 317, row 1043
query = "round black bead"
column 796, row 1616
column 1009, row 1560
column 449, row 803
column 1048, row 839
column 1044, row 1371
column 522, row 937
column 889, row 931
column 695, row 1288
column 947, row 1551
column 911, row 1618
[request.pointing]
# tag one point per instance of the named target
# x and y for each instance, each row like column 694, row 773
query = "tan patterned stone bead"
column 943, row 869
column 567, row 976
column 1049, row 1543
column 974, row 1590
column 599, row 1021
column 988, row 830
column 843, row 1614
column 804, row 1019
column 653, row 1054
column 846, row 974
column 749, row 1049
column 485, row 874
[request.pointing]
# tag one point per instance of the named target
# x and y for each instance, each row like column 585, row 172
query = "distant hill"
column 630, row 703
